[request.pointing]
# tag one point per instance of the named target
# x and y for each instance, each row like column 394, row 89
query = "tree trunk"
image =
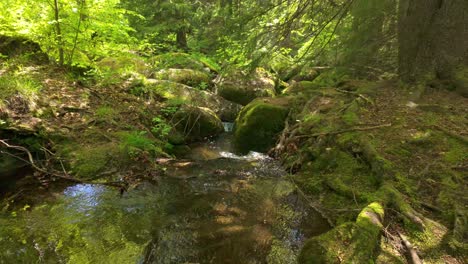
column 433, row 38
column 181, row 39
column 59, row 32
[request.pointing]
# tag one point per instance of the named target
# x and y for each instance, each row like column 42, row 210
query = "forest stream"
column 212, row 207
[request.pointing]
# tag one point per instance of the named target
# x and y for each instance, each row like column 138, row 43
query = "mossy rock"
column 194, row 78
column 242, row 88
column 123, row 64
column 197, row 123
column 171, row 91
column 175, row 60
column 350, row 242
column 259, row 124
column 88, row 162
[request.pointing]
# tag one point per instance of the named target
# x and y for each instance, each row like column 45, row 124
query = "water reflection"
column 233, row 209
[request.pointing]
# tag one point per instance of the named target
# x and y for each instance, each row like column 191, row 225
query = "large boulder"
column 188, row 77
column 197, row 123
column 259, row 124
column 227, row 111
column 242, row 88
column 352, row 242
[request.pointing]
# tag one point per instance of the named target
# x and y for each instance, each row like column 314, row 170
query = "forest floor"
column 353, row 143
column 347, row 146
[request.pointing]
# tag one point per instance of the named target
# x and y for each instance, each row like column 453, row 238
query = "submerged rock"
column 197, row 123
column 356, row 242
column 242, row 88
column 259, row 124
column 189, row 77
column 226, row 111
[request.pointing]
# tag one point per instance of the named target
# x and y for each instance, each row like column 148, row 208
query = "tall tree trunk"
column 433, row 38
column 58, row 31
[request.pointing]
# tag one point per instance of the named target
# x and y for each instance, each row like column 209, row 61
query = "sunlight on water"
column 252, row 155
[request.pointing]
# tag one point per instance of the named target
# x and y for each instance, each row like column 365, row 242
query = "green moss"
column 175, row 60
column 350, row 116
column 348, row 243
column 242, row 88
column 258, row 125
column 106, row 113
column 133, row 143
column 197, row 123
column 90, row 161
column 457, row 152
column 461, row 81
column 188, row 77
column 304, row 87
column 11, row 84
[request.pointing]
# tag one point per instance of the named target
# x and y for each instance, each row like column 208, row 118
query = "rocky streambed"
column 212, row 207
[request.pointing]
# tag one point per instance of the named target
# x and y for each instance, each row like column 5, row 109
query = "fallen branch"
column 64, row 176
column 345, row 131
column 412, row 254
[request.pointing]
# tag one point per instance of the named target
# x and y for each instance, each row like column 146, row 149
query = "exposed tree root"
column 345, row 131
column 342, row 189
column 396, row 199
column 412, row 255
column 312, row 204
column 452, row 134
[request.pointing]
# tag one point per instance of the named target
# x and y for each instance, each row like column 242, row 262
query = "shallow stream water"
column 211, row 207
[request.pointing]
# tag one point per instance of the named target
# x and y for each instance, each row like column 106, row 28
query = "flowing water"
column 212, row 207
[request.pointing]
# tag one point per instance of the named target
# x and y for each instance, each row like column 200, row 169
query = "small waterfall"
column 228, row 126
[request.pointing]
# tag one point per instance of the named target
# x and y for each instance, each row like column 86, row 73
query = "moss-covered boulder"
column 122, row 64
column 194, row 78
column 259, row 124
column 197, row 123
column 242, row 88
column 356, row 242
column 224, row 109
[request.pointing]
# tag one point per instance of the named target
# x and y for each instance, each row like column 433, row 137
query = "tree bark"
column 181, row 39
column 59, row 32
column 432, row 38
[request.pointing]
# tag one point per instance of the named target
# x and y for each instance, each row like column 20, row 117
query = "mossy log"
column 356, row 242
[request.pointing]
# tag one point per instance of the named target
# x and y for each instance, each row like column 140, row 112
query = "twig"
column 31, row 162
column 356, row 94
